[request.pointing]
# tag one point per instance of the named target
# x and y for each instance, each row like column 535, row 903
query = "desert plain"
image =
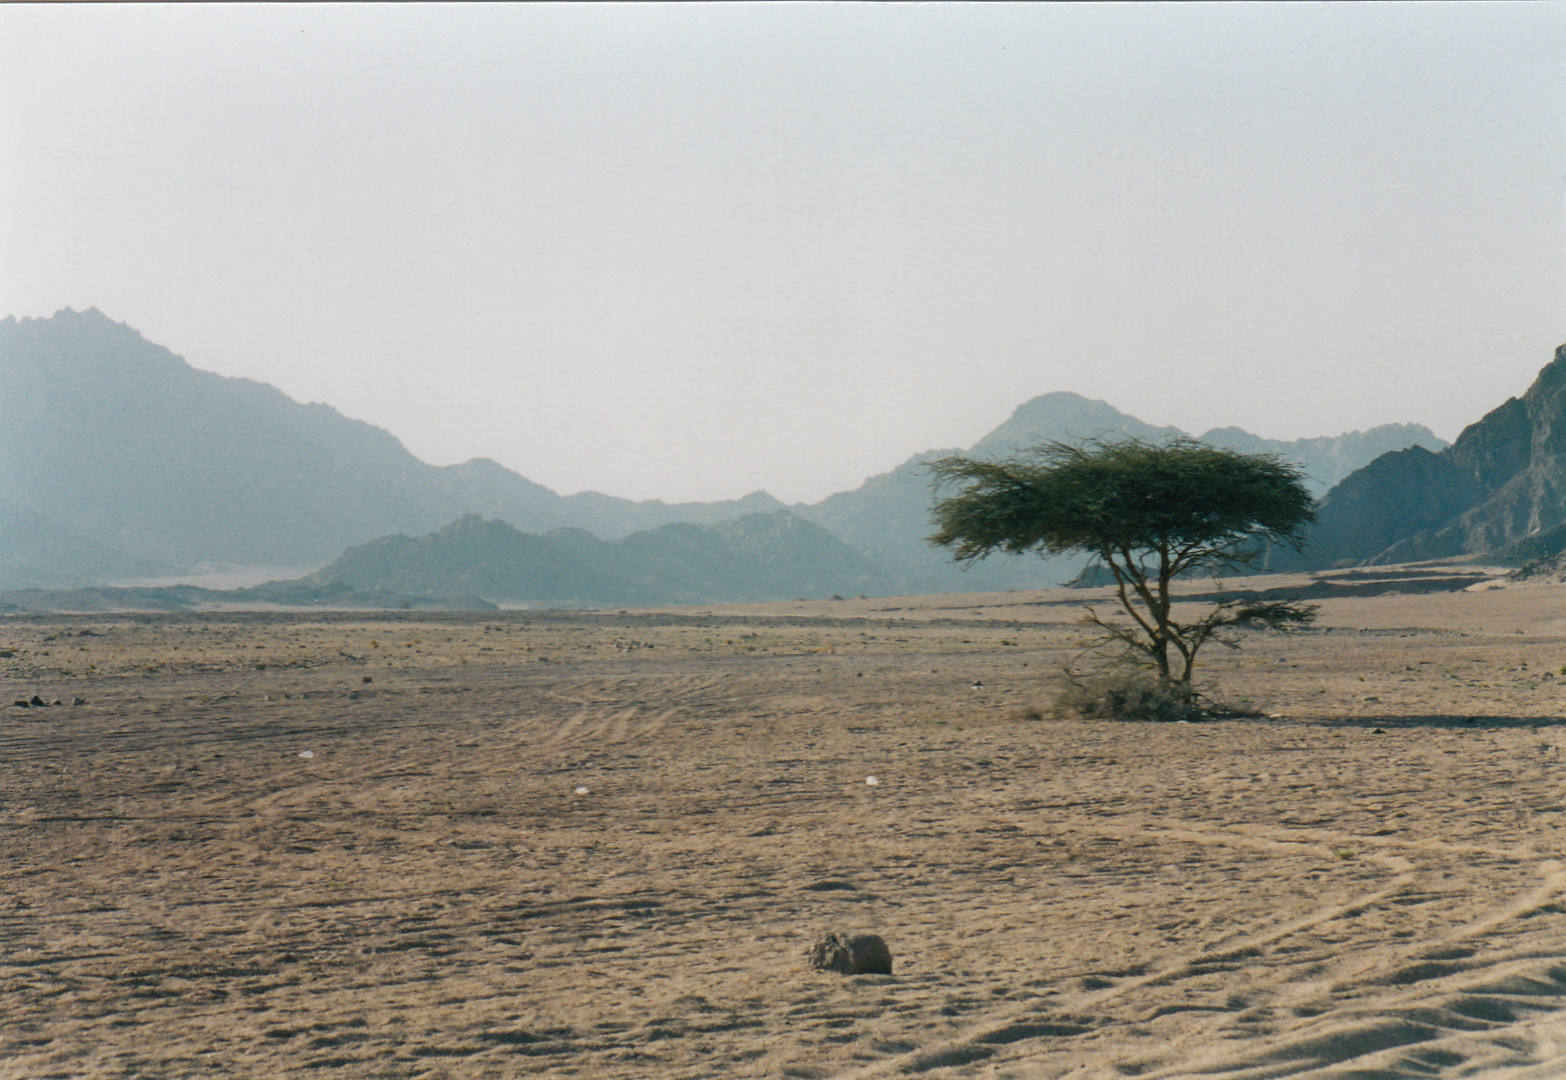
column 599, row 844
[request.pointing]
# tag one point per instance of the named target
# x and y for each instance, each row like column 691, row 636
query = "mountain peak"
column 87, row 317
column 1501, row 483
column 1066, row 417
column 128, row 447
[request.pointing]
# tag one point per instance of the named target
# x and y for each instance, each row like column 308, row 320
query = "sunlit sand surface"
column 600, row 845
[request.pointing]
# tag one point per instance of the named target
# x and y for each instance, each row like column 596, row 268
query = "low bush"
column 1127, row 695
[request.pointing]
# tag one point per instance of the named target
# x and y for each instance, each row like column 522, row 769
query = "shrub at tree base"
column 1128, row 695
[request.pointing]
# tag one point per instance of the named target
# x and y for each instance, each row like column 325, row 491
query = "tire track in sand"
column 616, row 711
column 1455, row 1016
column 1467, row 1023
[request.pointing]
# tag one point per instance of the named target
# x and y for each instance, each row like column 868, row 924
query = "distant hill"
column 1499, row 490
column 38, row 552
column 126, row 447
column 1328, row 459
column 888, row 516
column 120, row 460
column 757, row 557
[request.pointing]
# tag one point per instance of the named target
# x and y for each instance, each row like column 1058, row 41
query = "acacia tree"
column 1150, row 514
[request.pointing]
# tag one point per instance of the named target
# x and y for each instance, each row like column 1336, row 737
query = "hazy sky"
column 689, row 251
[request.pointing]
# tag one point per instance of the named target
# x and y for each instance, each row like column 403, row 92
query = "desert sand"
column 600, row 845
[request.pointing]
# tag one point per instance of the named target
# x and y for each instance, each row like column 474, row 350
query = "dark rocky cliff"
column 1502, row 482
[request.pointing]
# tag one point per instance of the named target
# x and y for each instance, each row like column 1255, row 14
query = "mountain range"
column 888, row 516
column 756, row 557
column 119, row 460
column 1499, row 491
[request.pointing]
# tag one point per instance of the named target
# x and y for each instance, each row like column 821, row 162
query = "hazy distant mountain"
column 757, row 557
column 490, row 559
column 1328, row 459
column 126, row 447
column 119, row 459
column 1064, row 417
column 482, row 486
column 38, row 552
column 1499, row 489
column 1068, row 417
column 126, row 444
column 888, row 516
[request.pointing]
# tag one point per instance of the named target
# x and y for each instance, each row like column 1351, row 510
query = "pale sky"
column 689, row 251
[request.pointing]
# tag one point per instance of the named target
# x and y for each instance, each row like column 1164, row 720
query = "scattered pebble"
column 872, row 781
column 582, row 791
column 307, row 753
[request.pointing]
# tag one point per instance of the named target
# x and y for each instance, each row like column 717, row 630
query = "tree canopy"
column 1149, row 513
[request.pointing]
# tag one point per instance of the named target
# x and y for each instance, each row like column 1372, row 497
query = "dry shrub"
column 1127, row 695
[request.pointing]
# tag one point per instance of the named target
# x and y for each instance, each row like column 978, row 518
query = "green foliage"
column 1150, row 514
column 1194, row 500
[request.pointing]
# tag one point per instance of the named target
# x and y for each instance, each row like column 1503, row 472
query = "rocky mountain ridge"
column 1499, row 490
column 124, row 447
column 121, row 460
column 758, row 557
column 887, row 516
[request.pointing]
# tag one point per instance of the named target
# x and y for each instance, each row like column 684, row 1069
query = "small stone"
column 20, row 703
column 859, row 954
column 37, row 702
column 366, row 679
column 78, row 701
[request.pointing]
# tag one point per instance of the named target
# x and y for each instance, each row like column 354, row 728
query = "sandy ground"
column 527, row 844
